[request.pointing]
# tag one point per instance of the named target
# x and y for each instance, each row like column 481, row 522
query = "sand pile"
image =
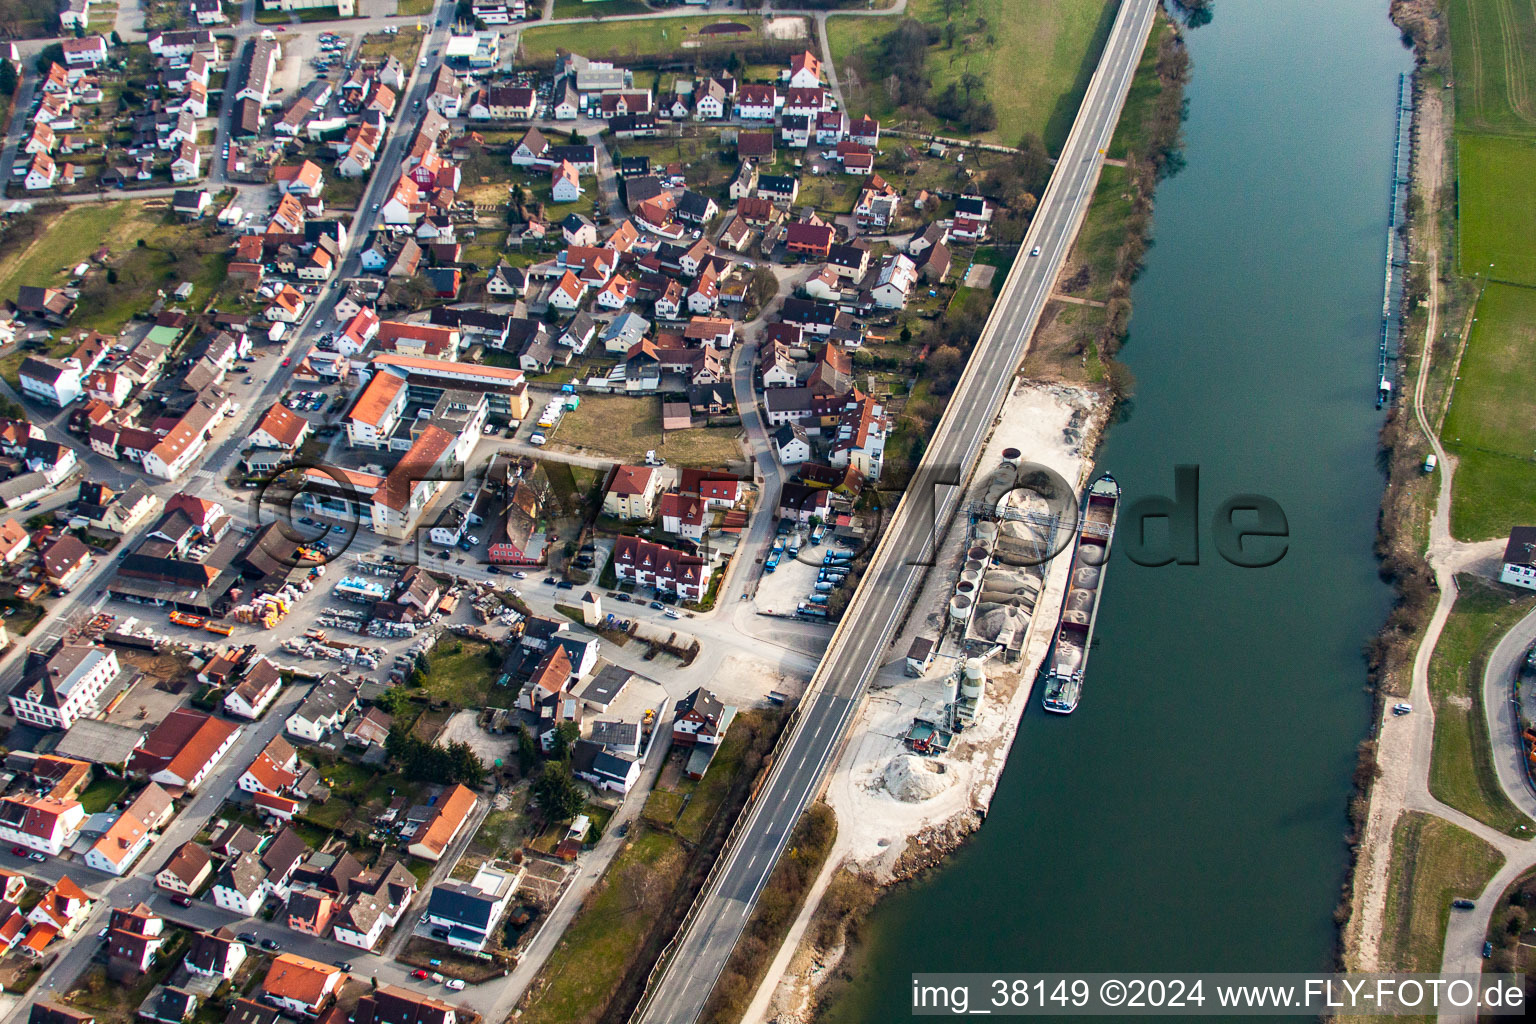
column 914, row 779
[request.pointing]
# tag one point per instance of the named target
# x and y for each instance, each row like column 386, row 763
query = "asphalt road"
column 854, row 655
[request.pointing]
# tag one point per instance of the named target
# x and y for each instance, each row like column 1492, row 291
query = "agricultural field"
column 1498, row 207
column 1034, row 63
column 1493, row 46
column 1491, row 425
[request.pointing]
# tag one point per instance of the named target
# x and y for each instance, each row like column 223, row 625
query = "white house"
column 1520, row 558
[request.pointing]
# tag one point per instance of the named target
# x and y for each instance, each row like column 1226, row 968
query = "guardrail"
column 944, row 509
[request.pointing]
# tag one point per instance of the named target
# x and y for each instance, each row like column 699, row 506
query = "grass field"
column 1433, row 862
column 625, row 428
column 72, row 236
column 1461, row 771
column 1035, row 61
column 459, row 673
column 626, row 40
column 598, row 8
column 1491, row 426
column 1497, row 207
column 1493, row 45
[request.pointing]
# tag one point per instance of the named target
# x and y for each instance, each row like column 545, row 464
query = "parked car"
column 182, row 901
column 18, row 851
column 492, row 570
column 1463, row 904
column 457, row 984
column 419, row 974
column 658, row 606
column 565, row 585
column 270, row 944
column 247, row 938
column 1402, row 708
column 37, row 857
column 519, row 575
column 345, row 965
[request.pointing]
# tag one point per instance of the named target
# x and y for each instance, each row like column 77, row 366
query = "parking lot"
column 795, row 578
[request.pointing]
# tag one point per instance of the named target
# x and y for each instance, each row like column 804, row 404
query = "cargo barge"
column 1068, row 660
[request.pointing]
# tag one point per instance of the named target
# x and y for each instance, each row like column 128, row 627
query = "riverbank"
column 900, row 815
column 1434, row 526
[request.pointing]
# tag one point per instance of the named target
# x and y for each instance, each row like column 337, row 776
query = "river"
column 1191, row 814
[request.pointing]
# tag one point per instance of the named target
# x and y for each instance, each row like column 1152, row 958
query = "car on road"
column 658, row 606
column 29, row 506
column 1463, row 904
column 37, row 858
column 422, row 63
column 519, row 575
column 18, row 851
column 493, row 570
column 550, row 580
column 247, row 938
column 444, row 555
column 419, row 974
column 375, row 207
column 1402, row 708
column 672, row 614
column 338, row 529
column 1035, row 251
column 270, row 944
column 345, row 965
column 182, row 901
column 456, row 984
column 287, row 361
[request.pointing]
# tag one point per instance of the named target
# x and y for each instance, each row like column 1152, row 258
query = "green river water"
column 1190, row 815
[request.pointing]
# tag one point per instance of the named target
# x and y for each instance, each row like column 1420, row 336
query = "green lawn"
column 459, row 673
column 1491, row 426
column 416, row 7
column 172, row 252
column 604, row 939
column 1462, row 772
column 625, row 428
column 1493, row 45
column 1433, row 862
column 1497, row 207
column 101, row 794
column 598, row 8
column 1035, row 60
column 629, row 40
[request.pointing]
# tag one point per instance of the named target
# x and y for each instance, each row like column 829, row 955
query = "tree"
column 7, row 77
column 49, row 56
column 566, row 735
column 557, row 791
column 393, row 700
column 527, row 753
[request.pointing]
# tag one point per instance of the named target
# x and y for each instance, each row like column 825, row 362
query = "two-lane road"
column 854, row 654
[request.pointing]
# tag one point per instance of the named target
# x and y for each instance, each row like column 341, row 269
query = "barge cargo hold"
column 1068, row 660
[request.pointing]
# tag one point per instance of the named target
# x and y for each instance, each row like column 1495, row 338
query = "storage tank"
column 986, row 535
column 973, row 678
column 967, row 587
column 977, row 554
column 1011, row 456
column 960, row 607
